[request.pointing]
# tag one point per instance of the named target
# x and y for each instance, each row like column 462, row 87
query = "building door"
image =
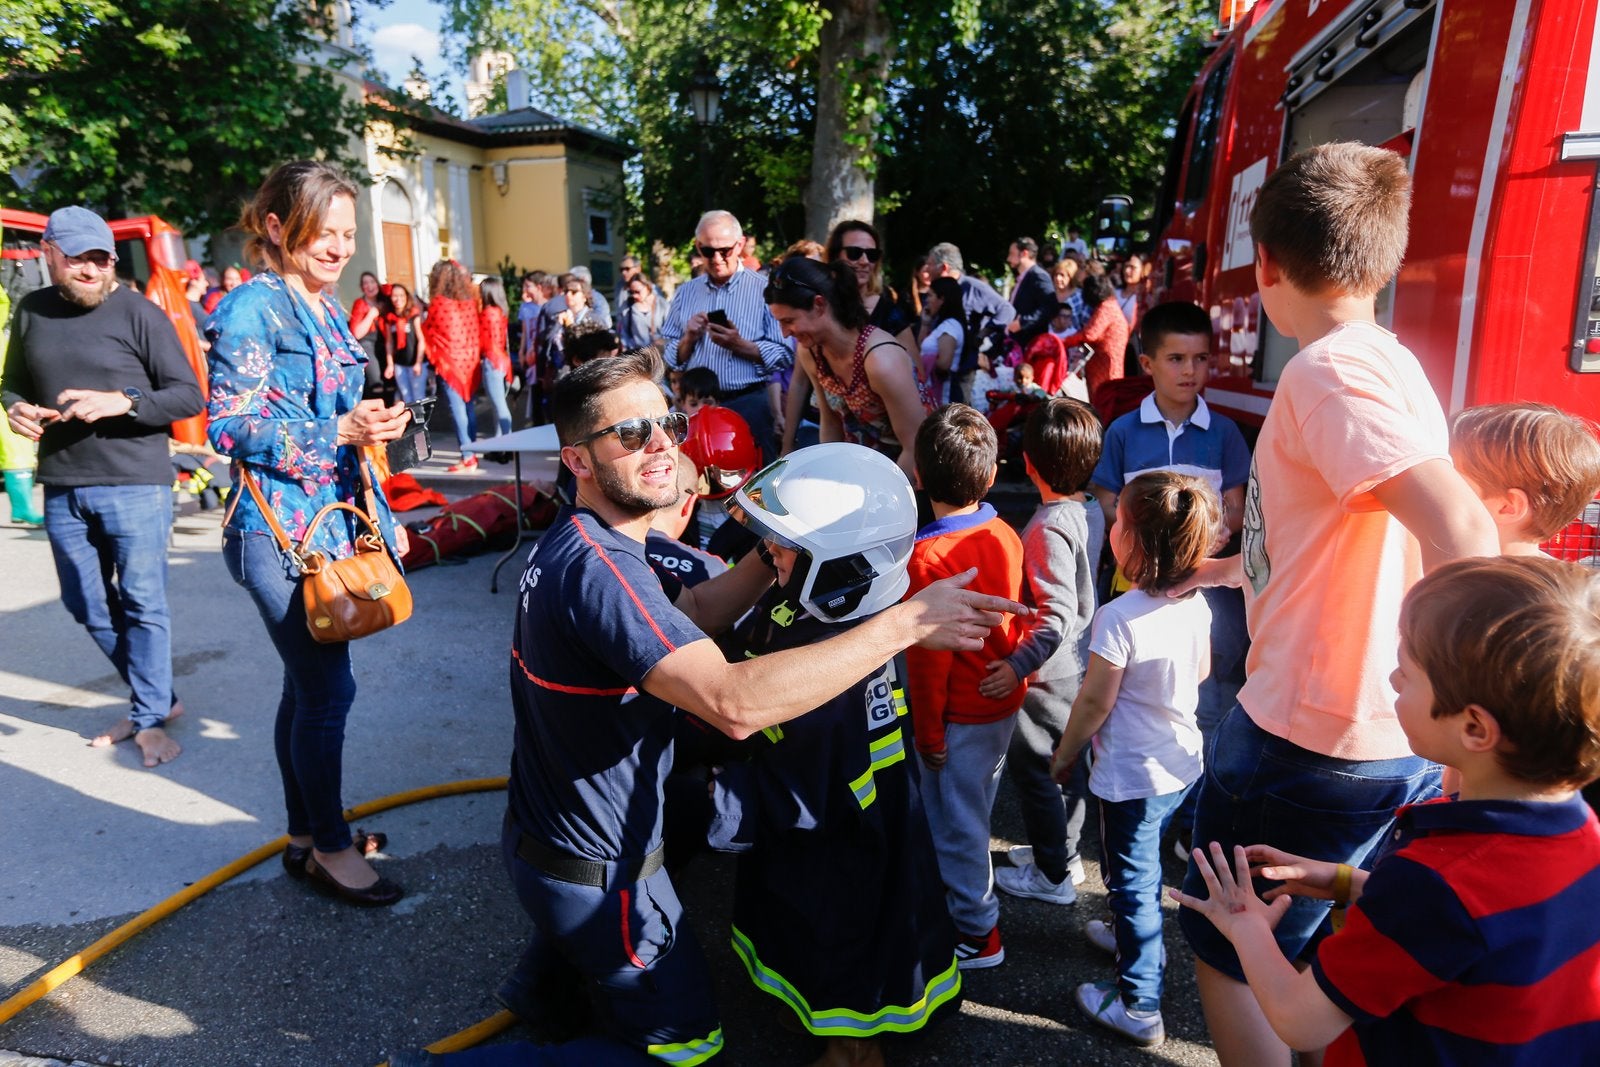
column 399, row 262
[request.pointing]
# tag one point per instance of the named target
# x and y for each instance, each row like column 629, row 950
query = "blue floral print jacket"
column 279, row 383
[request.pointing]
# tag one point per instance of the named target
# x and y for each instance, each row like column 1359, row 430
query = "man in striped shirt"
column 720, row 321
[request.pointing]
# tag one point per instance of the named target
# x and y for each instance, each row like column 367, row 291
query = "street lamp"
column 705, row 100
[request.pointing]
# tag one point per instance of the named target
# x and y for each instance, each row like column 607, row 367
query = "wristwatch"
column 134, row 396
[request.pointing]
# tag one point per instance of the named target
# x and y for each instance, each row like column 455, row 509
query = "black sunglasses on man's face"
column 718, row 253
column 855, row 252
column 635, row 434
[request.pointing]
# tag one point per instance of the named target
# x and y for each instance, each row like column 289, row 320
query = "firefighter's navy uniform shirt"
column 592, row 748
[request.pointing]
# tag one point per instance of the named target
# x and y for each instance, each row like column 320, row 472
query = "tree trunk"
column 852, row 56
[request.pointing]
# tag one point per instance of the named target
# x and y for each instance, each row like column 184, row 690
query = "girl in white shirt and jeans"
column 1148, row 655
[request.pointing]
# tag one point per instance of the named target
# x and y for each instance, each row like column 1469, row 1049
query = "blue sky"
column 401, row 30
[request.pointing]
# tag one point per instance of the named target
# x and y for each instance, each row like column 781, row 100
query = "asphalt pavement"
column 263, row 973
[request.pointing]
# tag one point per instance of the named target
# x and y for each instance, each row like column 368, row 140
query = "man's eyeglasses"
column 635, row 434
column 715, row 253
column 855, row 252
column 96, row 258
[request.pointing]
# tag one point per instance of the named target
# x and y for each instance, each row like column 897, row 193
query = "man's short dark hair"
column 1062, row 440
column 1174, row 316
column 583, row 341
column 1336, row 216
column 956, row 452
column 1028, row 245
column 699, row 383
column 577, row 396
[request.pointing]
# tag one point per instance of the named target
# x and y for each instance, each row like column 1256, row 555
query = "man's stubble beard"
column 616, row 489
column 87, row 297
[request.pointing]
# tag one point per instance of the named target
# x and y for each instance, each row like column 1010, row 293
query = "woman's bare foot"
column 157, row 747
column 348, row 867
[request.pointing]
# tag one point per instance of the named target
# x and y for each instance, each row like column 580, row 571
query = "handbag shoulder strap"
column 267, row 513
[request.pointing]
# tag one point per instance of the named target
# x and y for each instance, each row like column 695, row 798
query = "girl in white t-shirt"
column 1148, row 655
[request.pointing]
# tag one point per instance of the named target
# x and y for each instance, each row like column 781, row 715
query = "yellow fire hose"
column 74, row 965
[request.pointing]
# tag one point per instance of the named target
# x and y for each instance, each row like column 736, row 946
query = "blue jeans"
column 1130, row 836
column 466, row 418
column 110, row 549
column 1230, row 640
column 959, row 797
column 411, row 382
column 1258, row 788
column 318, row 689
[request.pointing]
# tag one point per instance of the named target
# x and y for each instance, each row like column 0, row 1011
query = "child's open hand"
column 999, row 682
column 1231, row 902
column 1300, row 877
column 935, row 760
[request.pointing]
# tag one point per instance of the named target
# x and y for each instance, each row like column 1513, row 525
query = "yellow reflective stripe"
column 842, row 1022
column 886, row 751
column 689, row 1053
column 865, row 789
column 774, row 733
column 900, row 701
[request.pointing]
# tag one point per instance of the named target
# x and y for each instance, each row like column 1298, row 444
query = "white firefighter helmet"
column 850, row 512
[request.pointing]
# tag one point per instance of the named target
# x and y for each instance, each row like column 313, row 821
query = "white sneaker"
column 1102, row 1002
column 1030, row 882
column 1022, row 856
column 1099, row 933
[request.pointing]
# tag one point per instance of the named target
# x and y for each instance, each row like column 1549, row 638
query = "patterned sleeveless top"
column 862, row 411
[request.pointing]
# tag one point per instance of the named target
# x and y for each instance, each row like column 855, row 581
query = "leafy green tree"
column 172, row 107
column 955, row 120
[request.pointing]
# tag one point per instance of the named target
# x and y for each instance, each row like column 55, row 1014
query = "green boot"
column 19, row 487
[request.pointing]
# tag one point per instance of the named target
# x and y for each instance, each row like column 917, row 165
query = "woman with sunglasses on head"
column 868, row 380
column 286, row 383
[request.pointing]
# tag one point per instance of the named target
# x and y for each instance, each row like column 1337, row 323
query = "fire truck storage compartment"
column 1363, row 80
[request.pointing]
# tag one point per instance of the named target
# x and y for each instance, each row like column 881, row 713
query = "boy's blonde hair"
column 1173, row 521
column 1336, row 216
column 1550, row 455
column 1520, row 637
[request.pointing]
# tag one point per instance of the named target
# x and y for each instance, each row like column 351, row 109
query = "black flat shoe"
column 294, row 861
column 294, row 856
column 380, row 894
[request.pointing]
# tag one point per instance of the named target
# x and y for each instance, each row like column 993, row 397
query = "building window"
column 599, row 231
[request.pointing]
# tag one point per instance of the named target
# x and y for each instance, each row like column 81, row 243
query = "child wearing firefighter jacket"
column 839, row 910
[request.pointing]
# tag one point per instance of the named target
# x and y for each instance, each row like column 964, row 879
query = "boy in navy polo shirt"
column 1475, row 938
column 1174, row 429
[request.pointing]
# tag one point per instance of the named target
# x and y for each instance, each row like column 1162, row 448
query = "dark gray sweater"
column 126, row 341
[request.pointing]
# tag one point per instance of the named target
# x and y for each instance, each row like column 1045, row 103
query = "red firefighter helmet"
column 722, row 449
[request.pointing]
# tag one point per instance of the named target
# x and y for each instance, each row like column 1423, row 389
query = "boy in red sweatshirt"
column 962, row 735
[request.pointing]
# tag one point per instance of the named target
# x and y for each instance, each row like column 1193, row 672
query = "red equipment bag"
column 470, row 525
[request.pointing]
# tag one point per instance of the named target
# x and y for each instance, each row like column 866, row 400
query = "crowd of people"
column 779, row 615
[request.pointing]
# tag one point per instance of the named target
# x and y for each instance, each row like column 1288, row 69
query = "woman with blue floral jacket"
column 286, row 381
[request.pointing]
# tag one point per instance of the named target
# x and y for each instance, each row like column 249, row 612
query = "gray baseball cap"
column 76, row 230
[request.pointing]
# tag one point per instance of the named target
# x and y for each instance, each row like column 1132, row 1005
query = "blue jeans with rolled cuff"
column 1130, row 836
column 110, row 549
column 318, row 689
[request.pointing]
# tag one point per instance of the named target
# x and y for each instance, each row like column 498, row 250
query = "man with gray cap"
column 95, row 373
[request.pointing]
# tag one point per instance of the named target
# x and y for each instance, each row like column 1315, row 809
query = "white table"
column 539, row 443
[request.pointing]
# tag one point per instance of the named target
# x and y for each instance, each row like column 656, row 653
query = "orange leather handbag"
column 344, row 598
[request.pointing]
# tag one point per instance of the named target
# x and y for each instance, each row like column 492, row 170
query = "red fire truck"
column 1496, row 106
column 148, row 249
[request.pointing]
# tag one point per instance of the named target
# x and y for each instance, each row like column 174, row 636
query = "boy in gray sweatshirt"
column 1061, row 552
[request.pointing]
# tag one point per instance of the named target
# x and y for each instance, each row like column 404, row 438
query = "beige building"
column 519, row 186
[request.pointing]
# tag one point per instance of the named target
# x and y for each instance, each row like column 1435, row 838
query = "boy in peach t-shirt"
column 1351, row 497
